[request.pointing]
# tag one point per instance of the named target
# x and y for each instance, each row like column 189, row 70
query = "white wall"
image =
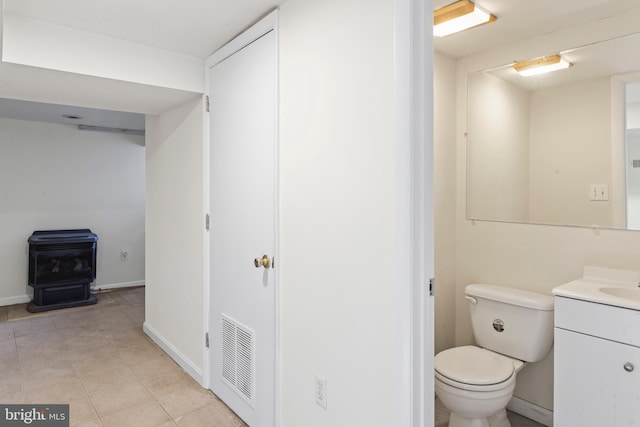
column 57, row 177
column 570, row 149
column 444, row 87
column 175, row 228
column 337, row 136
column 498, row 145
column 36, row 43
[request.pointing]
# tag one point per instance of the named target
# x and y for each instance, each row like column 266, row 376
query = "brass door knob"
column 265, row 262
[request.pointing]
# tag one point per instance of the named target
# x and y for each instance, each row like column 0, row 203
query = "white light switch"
column 599, row 192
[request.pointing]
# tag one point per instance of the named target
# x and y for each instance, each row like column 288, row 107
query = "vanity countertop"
column 604, row 286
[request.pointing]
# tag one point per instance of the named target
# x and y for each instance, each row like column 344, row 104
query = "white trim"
column 618, row 189
column 174, row 353
column 257, row 30
column 206, row 242
column 18, row 299
column 275, row 16
column 99, row 288
column 533, row 412
column 413, row 229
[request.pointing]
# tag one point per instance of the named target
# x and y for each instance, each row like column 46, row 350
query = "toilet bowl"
column 511, row 327
column 476, row 385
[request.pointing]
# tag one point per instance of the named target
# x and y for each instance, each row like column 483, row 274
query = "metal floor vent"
column 238, row 361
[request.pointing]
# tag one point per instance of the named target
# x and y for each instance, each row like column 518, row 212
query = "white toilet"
column 511, row 327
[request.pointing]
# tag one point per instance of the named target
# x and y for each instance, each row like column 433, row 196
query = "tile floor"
column 99, row 361
column 516, row 420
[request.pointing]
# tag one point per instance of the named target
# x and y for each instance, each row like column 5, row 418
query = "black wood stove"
column 62, row 266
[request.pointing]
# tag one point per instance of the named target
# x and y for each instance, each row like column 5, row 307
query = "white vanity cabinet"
column 596, row 365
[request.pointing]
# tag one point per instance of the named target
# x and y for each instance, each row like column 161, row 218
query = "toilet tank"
column 511, row 321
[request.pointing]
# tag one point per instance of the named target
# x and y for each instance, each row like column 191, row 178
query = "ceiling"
column 523, row 19
column 65, row 114
column 192, row 27
column 199, row 27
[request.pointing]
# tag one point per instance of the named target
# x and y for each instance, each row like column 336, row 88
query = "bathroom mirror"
column 557, row 148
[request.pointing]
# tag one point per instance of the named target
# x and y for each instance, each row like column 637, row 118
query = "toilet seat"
column 475, row 369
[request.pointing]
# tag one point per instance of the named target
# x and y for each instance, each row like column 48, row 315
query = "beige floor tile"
column 49, row 374
column 92, row 353
column 135, row 314
column 166, row 383
column 10, row 386
column 146, row 415
column 107, row 378
column 216, row 414
column 16, row 311
column 117, row 322
column 9, row 365
column 13, row 398
column 35, row 364
column 76, row 343
column 79, row 320
column 185, row 400
column 33, row 350
column 31, row 326
column 8, row 351
column 64, row 391
column 126, row 337
column 56, row 336
column 121, row 332
column 168, row 424
column 6, row 336
column 6, row 327
column 81, row 410
column 154, row 367
column 78, row 331
column 139, row 353
column 110, row 400
column 92, row 423
column 100, row 362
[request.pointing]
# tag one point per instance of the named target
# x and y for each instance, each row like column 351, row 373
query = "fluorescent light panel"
column 459, row 16
column 542, row 65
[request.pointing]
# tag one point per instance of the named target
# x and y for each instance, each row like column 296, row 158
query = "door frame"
column 413, row 228
column 265, row 25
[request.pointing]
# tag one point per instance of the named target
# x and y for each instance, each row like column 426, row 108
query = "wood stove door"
column 243, row 113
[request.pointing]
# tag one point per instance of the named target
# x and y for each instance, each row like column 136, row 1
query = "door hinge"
column 206, row 103
column 207, row 222
column 431, row 285
column 206, row 339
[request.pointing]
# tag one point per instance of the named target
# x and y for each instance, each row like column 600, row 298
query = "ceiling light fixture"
column 459, row 16
column 537, row 66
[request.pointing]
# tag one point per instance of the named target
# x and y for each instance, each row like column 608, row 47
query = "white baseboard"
column 180, row 359
column 19, row 299
column 534, row 412
column 99, row 288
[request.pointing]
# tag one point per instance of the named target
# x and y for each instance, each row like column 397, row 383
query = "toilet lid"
column 473, row 365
